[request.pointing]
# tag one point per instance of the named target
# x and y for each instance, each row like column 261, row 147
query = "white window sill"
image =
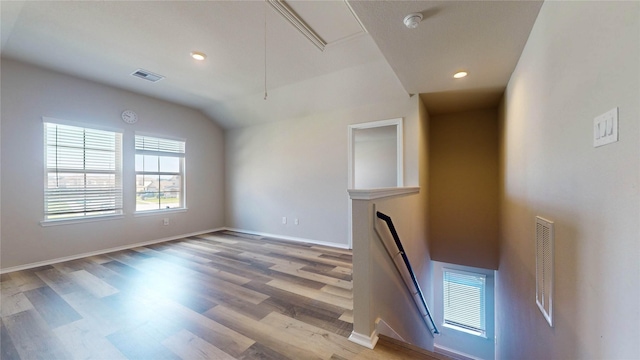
column 482, row 334
column 159, row 212
column 56, row 222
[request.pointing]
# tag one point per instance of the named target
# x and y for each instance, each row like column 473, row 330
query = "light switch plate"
column 605, row 128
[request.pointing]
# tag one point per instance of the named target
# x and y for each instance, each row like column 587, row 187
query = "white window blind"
column 158, row 145
column 464, row 301
column 84, row 172
column 159, row 173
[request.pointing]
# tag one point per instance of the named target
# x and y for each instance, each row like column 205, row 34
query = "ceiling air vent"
column 147, row 75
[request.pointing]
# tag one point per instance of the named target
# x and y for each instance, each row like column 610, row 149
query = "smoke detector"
column 412, row 20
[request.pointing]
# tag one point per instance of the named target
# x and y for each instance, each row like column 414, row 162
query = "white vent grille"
column 147, row 75
column 544, row 267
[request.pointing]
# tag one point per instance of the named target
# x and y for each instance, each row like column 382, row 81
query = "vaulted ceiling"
column 363, row 52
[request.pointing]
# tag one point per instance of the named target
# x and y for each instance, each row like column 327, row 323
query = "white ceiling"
column 106, row 41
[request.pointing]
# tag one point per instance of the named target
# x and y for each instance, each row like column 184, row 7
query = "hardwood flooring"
column 221, row 295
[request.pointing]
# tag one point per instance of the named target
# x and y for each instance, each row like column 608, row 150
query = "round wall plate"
column 129, row 116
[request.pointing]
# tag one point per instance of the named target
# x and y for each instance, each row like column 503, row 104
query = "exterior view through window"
column 83, row 172
column 159, row 173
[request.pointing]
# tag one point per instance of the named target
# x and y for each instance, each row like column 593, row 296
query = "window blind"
column 153, row 144
column 84, row 172
column 159, row 167
column 464, row 301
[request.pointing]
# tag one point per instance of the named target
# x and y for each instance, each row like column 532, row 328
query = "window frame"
column 117, row 211
column 482, row 330
column 179, row 152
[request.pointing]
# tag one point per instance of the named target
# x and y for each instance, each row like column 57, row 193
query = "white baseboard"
column 150, row 242
column 100, row 252
column 383, row 328
column 454, row 354
column 291, row 238
column 364, row 340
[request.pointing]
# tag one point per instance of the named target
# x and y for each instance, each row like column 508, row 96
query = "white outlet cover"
column 605, row 128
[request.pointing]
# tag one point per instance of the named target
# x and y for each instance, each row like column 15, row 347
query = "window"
column 83, row 172
column 464, row 301
column 159, row 173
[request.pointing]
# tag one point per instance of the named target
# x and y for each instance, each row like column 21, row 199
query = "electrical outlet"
column 284, row 219
column 296, row 221
column 165, row 221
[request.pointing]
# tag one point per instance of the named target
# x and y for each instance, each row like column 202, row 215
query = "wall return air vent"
column 544, row 267
column 147, row 75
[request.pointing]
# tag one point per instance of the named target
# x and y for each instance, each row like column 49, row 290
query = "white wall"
column 28, row 94
column 379, row 292
column 298, row 168
column 581, row 60
column 375, row 158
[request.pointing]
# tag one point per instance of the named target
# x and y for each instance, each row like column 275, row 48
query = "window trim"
column 479, row 332
column 182, row 173
column 118, row 173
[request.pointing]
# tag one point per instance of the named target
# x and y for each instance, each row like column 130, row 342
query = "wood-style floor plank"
column 297, row 272
column 223, row 295
column 60, row 282
column 53, row 309
column 321, row 341
column 83, row 341
column 188, row 346
column 313, row 294
column 264, row 334
column 32, row 337
column 13, row 302
column 258, row 351
column 7, row 349
column 93, row 284
column 143, row 341
column 26, row 280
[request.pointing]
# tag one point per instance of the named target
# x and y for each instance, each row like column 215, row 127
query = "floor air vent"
column 147, row 75
column 544, row 267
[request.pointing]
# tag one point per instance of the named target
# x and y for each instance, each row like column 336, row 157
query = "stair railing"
column 406, row 273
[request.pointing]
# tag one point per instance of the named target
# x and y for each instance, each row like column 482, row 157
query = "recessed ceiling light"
column 198, row 55
column 460, row 74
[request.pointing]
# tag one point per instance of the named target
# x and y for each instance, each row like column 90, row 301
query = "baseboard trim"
column 385, row 340
column 364, row 340
column 454, row 354
column 290, row 238
column 383, row 328
column 104, row 251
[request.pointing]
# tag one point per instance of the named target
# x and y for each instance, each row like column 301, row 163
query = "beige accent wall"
column 581, row 60
column 463, row 188
column 28, row 94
